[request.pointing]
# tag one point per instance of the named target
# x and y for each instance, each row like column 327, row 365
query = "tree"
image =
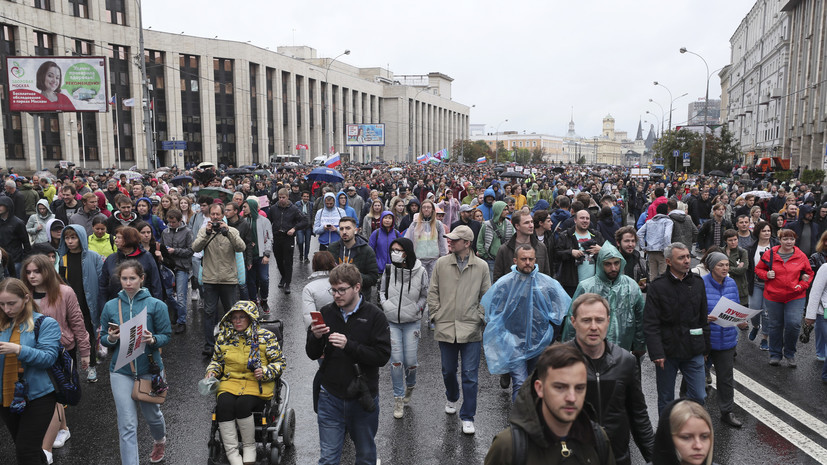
column 537, row 154
column 468, row 151
column 581, row 160
column 721, row 151
column 522, row 156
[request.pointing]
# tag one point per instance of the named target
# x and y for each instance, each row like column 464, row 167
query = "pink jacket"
column 69, row 317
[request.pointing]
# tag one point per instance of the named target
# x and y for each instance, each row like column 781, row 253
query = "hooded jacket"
column 494, row 233
column 655, row 234
column 799, row 225
column 664, row 451
column 117, row 220
column 237, row 355
column 85, row 219
column 625, row 301
column 156, row 224
column 326, row 216
column 408, row 219
column 69, row 317
column 263, row 234
column 179, row 239
column 92, row 265
column 487, row 207
column 157, row 323
column 430, row 245
column 504, row 261
column 362, row 256
column 13, row 236
column 380, row 241
column 542, row 448
column 349, row 211
column 109, row 285
column 38, row 219
column 403, row 288
column 683, row 229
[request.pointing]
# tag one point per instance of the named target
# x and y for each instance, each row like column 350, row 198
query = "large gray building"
column 696, row 110
column 232, row 102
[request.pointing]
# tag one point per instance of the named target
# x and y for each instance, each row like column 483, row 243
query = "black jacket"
column 284, row 219
column 507, row 252
column 562, row 254
column 368, row 344
column 13, row 235
column 615, row 393
column 751, row 266
column 674, row 308
column 246, row 235
column 706, row 235
column 700, row 209
column 62, row 215
column 362, row 256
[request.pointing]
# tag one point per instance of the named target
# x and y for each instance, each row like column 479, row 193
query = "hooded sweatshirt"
column 91, row 268
column 487, row 205
column 494, row 233
column 326, row 216
column 683, row 229
column 429, row 244
column 403, row 289
column 41, row 235
column 664, row 450
column 380, row 241
column 349, row 211
column 408, row 219
column 155, row 223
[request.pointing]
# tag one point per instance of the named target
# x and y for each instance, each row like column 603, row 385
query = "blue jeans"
column 339, row 415
column 303, row 237
column 181, row 278
column 756, row 301
column 258, row 280
column 821, row 335
column 470, row 353
column 127, row 410
column 519, row 375
column 404, row 345
column 693, row 373
column 784, row 321
column 490, row 269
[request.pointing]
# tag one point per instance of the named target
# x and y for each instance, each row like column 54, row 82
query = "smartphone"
column 114, row 326
column 317, row 318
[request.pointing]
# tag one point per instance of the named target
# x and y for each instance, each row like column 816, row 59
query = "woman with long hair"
column 754, row 216
column 755, row 286
column 131, row 300
column 21, row 349
column 787, row 274
column 684, row 436
column 372, row 219
column 185, row 204
column 428, row 236
column 58, row 301
column 398, row 209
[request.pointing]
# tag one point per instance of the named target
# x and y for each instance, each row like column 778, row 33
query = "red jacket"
column 652, row 210
column 787, row 284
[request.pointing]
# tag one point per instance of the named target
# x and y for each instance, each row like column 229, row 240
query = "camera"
column 216, row 227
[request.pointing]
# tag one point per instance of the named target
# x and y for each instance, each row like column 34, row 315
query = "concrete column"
column 292, row 130
column 304, row 133
column 318, row 137
column 172, row 92
column 261, row 104
column 339, row 128
column 278, row 114
column 241, row 113
column 209, row 151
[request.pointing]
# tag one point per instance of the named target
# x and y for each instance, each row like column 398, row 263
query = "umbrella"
column 395, row 170
column 179, row 180
column 367, row 168
column 326, row 175
column 163, row 168
column 45, row 174
column 513, row 174
column 237, row 171
column 216, row 193
column 759, row 194
column 499, row 169
column 206, row 164
column 129, row 175
column 718, row 173
column 284, row 168
column 558, row 169
column 264, row 172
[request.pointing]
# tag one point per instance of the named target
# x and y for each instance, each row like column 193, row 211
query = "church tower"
column 571, row 134
column 609, row 127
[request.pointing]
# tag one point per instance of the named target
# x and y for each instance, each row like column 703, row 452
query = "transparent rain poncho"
column 519, row 312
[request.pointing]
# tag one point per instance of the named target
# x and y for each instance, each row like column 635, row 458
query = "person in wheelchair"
column 248, row 361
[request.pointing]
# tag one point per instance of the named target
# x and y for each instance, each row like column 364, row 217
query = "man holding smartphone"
column 326, row 224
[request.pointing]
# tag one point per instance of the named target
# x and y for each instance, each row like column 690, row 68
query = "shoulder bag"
column 153, row 391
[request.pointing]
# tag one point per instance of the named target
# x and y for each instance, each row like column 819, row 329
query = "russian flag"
column 333, row 161
column 112, row 100
column 422, row 158
column 481, row 160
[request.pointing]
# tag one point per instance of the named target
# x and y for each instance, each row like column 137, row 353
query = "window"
column 43, row 44
column 42, row 4
column 116, row 10
column 80, row 8
column 83, row 47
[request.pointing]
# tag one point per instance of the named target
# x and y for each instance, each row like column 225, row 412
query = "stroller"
column 275, row 424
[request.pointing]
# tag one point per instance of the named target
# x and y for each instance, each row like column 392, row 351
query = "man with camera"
column 354, row 337
column 220, row 242
column 577, row 250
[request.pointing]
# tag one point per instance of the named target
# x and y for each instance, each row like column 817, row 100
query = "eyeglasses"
column 338, row 291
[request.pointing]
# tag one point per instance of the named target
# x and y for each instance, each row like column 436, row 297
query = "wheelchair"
column 275, row 424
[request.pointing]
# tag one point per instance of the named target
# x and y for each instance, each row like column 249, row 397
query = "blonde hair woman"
column 428, row 236
column 685, row 435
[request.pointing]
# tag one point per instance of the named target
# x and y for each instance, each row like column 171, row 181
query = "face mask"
column 396, row 256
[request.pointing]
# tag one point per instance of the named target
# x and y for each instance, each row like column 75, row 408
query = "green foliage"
column 783, row 176
column 522, row 156
column 537, row 154
column 812, row 176
column 721, row 152
column 581, row 160
column 468, row 151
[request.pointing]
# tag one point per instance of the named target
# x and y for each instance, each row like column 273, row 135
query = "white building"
column 755, row 80
column 232, row 102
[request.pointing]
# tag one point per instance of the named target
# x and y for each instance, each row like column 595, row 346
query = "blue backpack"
column 64, row 372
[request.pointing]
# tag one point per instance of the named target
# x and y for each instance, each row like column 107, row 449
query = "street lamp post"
column 706, row 107
column 670, row 102
column 660, row 121
column 497, row 143
column 411, row 123
column 328, row 135
column 150, row 146
column 662, row 114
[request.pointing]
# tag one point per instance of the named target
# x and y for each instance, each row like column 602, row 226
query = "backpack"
column 519, row 438
column 63, row 373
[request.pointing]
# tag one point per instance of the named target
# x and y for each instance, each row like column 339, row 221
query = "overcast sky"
column 526, row 61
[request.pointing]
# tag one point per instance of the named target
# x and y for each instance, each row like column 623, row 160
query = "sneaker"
column 754, row 333
column 468, row 427
column 450, row 408
column 158, row 451
column 48, row 456
column 765, row 345
column 408, row 392
column 505, row 381
column 775, row 362
column 63, row 435
column 819, row 358
column 195, row 295
column 180, row 328
column 398, row 408
column 91, row 377
column 287, row 289
column 791, row 362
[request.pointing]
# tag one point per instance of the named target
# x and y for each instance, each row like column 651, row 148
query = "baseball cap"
column 461, row 232
column 465, row 208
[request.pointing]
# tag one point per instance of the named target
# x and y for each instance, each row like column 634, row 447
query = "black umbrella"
column 513, row 174
column 558, row 169
column 499, row 169
column 178, row 180
column 718, row 173
column 262, row 172
column 237, row 171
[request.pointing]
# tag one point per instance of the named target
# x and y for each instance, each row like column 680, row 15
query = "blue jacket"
column 380, row 242
column 157, row 322
column 721, row 338
column 349, row 211
column 35, row 359
column 485, row 207
column 156, row 224
column 92, row 269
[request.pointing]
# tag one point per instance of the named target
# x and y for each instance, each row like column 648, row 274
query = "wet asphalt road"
column 426, row 435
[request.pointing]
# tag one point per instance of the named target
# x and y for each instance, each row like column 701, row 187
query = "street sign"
column 686, row 155
column 173, row 145
column 676, row 153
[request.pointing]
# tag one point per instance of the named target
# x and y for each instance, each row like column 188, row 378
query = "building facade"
column 753, row 84
column 696, row 111
column 232, row 102
column 805, row 116
column 552, row 146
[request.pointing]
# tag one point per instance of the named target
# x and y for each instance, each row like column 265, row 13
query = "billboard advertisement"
column 365, row 134
column 50, row 84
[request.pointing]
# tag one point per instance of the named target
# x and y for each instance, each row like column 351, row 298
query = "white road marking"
column 783, row 404
column 805, row 444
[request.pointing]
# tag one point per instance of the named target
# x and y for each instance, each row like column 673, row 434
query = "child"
column 100, row 241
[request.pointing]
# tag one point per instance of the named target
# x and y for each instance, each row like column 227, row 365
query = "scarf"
column 11, row 368
column 253, row 204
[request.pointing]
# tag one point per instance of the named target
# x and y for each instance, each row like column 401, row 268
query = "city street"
column 782, row 408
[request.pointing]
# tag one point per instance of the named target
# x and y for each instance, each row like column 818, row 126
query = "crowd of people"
column 564, row 277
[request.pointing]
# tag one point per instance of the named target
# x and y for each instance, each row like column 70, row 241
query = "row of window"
column 115, row 9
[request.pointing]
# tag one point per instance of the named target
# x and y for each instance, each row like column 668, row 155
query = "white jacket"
column 315, row 295
column 818, row 295
column 407, row 293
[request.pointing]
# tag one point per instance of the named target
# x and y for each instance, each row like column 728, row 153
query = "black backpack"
column 63, row 373
column 519, row 438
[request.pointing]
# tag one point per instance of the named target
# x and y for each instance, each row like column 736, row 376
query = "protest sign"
column 132, row 339
column 730, row 313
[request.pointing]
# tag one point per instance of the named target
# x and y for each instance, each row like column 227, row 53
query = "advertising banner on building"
column 50, row 84
column 365, row 134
